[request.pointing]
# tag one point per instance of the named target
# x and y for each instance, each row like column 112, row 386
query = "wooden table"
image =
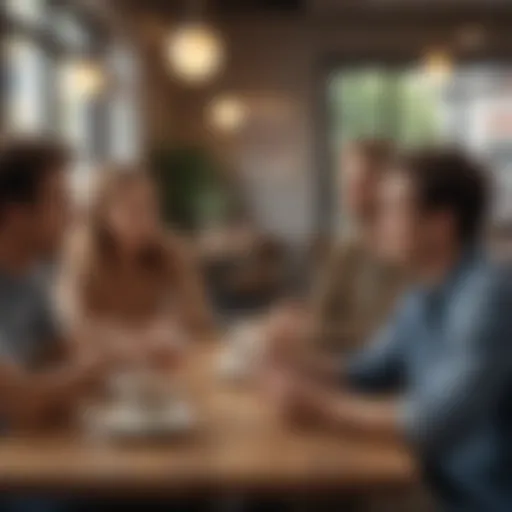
column 240, row 445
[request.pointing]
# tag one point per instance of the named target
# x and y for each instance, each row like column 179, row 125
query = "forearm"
column 29, row 399
column 324, row 367
column 373, row 416
column 339, row 334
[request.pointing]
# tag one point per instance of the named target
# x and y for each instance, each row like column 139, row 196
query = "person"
column 39, row 377
column 355, row 290
column 439, row 375
column 127, row 284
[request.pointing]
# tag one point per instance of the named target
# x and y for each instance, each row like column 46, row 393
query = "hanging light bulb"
column 227, row 113
column 83, row 78
column 195, row 53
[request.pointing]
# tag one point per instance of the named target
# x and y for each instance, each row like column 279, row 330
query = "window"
column 67, row 76
column 472, row 108
column 30, row 12
column 25, row 106
column 376, row 102
column 124, row 120
column 69, row 32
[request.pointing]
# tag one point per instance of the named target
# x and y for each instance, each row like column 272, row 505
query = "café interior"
column 240, row 109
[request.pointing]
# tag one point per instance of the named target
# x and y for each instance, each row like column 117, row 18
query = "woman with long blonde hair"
column 128, row 283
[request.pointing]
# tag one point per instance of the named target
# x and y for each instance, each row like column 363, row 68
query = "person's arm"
column 27, row 398
column 87, row 333
column 474, row 375
column 194, row 309
column 376, row 416
column 379, row 369
column 380, row 366
column 377, row 366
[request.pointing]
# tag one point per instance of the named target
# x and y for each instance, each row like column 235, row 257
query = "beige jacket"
column 355, row 294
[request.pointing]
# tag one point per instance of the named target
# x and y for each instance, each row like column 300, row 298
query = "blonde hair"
column 154, row 257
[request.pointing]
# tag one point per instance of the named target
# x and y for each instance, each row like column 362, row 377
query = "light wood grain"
column 240, row 444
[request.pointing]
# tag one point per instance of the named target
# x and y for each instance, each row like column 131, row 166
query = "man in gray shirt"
column 39, row 375
column 27, row 329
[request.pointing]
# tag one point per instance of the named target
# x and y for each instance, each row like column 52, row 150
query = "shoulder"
column 409, row 305
column 482, row 307
column 488, row 283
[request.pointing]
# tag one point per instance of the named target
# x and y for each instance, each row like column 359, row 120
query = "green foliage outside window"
column 193, row 191
column 397, row 105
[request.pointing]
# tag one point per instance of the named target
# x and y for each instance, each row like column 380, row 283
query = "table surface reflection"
column 240, row 444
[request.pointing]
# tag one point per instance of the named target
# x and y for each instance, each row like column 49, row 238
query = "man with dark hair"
column 32, row 173
column 32, row 218
column 446, row 352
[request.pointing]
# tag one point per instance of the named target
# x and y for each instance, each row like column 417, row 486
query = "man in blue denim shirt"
column 448, row 350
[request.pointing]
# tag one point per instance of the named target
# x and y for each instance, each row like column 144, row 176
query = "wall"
column 268, row 67
column 278, row 66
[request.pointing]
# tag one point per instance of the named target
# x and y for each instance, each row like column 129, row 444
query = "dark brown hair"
column 24, row 165
column 448, row 179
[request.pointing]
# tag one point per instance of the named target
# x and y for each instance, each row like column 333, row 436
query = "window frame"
column 56, row 50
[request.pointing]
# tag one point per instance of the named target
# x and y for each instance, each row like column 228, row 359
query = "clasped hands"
column 287, row 375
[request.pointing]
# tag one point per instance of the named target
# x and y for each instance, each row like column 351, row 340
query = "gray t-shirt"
column 27, row 325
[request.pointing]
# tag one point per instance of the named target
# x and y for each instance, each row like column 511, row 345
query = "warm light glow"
column 195, row 53
column 438, row 65
column 227, row 113
column 83, row 78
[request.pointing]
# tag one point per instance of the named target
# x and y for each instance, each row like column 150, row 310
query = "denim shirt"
column 449, row 350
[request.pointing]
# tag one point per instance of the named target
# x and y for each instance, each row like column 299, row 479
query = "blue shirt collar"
column 470, row 257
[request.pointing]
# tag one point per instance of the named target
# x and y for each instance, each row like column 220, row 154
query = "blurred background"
column 241, row 107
